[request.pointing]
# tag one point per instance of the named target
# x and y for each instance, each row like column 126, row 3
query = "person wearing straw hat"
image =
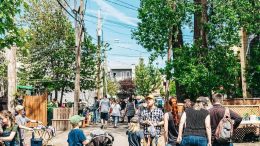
column 76, row 136
column 22, row 120
column 152, row 121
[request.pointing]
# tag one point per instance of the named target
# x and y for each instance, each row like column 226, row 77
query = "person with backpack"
column 221, row 122
column 171, row 120
column 197, row 131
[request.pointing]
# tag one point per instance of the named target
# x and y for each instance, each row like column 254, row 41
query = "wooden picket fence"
column 61, row 118
column 36, row 108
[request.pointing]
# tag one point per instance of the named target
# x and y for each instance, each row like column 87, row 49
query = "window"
column 114, row 75
column 128, row 74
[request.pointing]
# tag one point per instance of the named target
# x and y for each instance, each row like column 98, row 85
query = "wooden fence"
column 61, row 118
column 36, row 108
column 241, row 101
column 242, row 110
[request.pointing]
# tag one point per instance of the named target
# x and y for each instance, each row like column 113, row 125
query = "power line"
column 67, row 11
column 121, row 5
column 128, row 4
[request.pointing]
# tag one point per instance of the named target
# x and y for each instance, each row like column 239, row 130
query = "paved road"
column 118, row 133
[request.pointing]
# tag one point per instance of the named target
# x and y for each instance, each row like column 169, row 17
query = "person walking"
column 22, row 120
column 217, row 113
column 171, row 120
column 130, row 109
column 104, row 109
column 135, row 135
column 115, row 112
column 152, row 120
column 197, row 131
column 10, row 135
column 95, row 110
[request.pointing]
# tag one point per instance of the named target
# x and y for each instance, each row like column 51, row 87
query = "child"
column 76, row 136
column 135, row 135
column 10, row 130
column 22, row 120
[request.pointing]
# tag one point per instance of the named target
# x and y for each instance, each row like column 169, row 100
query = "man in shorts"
column 104, row 106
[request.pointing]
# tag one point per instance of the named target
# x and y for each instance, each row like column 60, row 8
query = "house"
column 122, row 72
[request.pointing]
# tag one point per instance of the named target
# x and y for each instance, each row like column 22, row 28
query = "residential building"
column 122, row 72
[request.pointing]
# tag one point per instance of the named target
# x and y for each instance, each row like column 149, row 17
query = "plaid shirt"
column 155, row 116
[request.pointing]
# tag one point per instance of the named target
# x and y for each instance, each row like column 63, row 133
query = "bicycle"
column 46, row 133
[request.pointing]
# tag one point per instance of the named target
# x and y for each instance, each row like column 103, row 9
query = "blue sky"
column 125, row 51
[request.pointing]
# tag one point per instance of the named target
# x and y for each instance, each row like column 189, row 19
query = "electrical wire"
column 128, row 4
column 121, row 5
column 67, row 11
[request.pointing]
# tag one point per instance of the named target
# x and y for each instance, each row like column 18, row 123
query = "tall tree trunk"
column 61, row 96
column 200, row 19
column 56, row 94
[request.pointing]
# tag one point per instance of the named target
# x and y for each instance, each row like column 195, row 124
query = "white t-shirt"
column 116, row 109
column 105, row 105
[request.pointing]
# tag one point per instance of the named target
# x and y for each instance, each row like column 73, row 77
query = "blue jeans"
column 95, row 116
column 194, row 141
column 115, row 119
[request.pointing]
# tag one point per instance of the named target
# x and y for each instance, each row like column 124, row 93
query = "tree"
column 127, row 86
column 50, row 61
column 147, row 78
column 112, row 87
column 8, row 27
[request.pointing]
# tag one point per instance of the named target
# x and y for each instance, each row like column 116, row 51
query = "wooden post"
column 11, row 74
column 243, row 61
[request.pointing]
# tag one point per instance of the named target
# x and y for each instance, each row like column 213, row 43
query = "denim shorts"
column 194, row 141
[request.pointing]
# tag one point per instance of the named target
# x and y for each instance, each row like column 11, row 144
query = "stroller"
column 101, row 138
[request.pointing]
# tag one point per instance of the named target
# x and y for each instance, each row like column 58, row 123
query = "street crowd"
column 202, row 123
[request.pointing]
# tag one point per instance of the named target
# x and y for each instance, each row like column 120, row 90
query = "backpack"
column 224, row 131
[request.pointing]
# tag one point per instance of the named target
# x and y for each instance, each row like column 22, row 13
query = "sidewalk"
column 118, row 133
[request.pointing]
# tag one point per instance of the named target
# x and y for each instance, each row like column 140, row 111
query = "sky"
column 119, row 17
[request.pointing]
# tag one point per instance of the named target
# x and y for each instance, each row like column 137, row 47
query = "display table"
column 245, row 127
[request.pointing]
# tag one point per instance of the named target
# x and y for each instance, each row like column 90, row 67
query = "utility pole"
column 105, row 70
column 243, row 61
column 99, row 32
column 11, row 75
column 79, row 37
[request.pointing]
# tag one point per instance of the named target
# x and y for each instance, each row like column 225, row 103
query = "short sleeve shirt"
column 116, row 110
column 134, row 138
column 105, row 105
column 22, row 120
column 16, row 139
column 130, row 109
column 76, row 137
column 155, row 115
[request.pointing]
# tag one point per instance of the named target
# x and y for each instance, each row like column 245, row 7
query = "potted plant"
column 246, row 117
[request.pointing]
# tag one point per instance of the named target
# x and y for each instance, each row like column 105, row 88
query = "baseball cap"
column 19, row 107
column 149, row 96
column 203, row 99
column 76, row 119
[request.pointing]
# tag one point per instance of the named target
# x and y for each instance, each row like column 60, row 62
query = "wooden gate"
column 61, row 118
column 36, row 108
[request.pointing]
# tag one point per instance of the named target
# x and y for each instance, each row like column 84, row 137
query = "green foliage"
column 202, row 75
column 112, row 87
column 157, row 19
column 48, row 56
column 253, row 69
column 8, row 28
column 147, row 78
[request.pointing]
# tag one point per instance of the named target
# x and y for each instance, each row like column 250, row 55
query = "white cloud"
column 113, row 12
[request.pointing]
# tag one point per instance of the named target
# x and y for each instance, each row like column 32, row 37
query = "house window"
column 128, row 74
column 114, row 75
